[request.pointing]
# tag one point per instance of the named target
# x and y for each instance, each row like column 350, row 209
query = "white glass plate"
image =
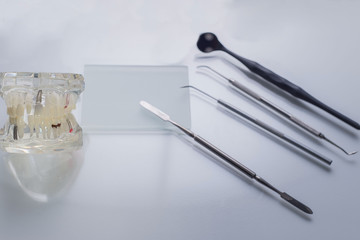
column 110, row 103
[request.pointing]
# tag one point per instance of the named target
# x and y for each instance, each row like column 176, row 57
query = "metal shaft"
column 248, row 172
column 274, row 131
column 230, row 160
column 267, row 128
column 274, row 107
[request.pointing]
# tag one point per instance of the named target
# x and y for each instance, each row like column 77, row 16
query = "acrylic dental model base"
column 39, row 107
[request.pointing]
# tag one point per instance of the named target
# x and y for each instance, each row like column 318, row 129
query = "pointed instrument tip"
column 296, row 203
column 353, row 153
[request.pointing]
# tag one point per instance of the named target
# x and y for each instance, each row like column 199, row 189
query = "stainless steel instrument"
column 233, row 162
column 282, row 112
column 208, row 42
column 265, row 126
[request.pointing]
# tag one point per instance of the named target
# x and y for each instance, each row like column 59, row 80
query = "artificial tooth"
column 20, row 120
column 43, row 130
column 12, row 120
column 48, row 127
column 45, row 115
column 64, row 128
column 28, row 108
column 20, row 110
column 28, row 103
column 54, row 130
column 38, row 112
column 71, row 100
column 62, row 99
column 67, row 100
column 15, row 133
column 31, row 124
column 69, row 125
column 44, row 120
column 10, row 111
column 70, row 120
column 37, row 125
column 53, row 127
column 59, row 112
column 48, row 130
column 38, row 109
column 20, row 127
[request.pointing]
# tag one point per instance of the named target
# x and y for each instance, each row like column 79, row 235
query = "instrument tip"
column 296, row 203
column 197, row 89
column 342, row 149
column 202, row 66
column 352, row 153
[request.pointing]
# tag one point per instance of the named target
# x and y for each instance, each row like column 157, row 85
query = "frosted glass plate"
column 110, row 103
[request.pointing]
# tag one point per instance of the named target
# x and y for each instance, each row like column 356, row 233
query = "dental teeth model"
column 39, row 107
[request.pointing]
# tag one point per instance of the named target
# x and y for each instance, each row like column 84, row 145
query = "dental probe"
column 233, row 162
column 276, row 108
column 265, row 126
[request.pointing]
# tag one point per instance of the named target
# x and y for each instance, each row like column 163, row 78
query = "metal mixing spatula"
column 233, row 162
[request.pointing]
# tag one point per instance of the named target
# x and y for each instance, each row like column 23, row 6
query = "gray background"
column 135, row 186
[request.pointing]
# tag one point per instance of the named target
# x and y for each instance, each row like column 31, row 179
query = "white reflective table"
column 161, row 186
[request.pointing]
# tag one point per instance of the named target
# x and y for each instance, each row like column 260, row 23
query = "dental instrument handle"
column 289, row 116
column 289, row 87
column 237, row 165
column 292, row 118
column 233, row 162
column 273, row 131
column 240, row 87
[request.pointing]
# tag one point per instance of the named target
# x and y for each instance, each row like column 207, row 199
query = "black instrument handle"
column 289, row 87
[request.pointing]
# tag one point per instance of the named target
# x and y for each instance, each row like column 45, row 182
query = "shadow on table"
column 45, row 176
